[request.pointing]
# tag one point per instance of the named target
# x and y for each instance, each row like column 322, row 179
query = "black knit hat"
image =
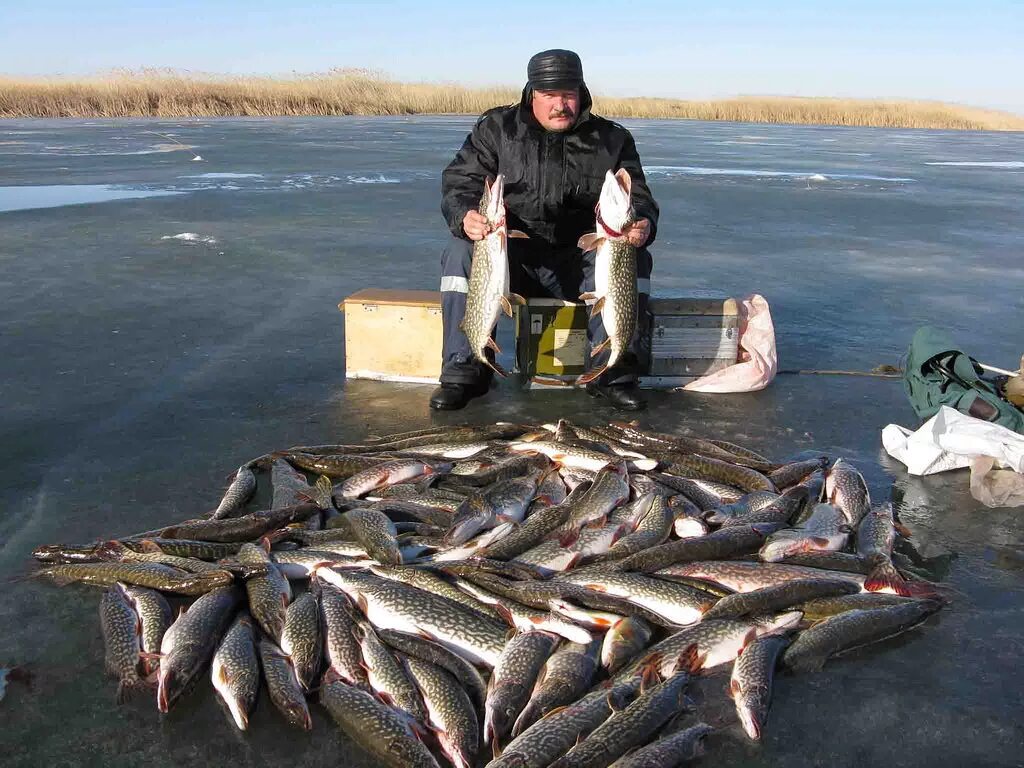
column 555, row 70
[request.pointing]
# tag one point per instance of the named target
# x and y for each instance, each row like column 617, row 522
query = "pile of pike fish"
column 540, row 594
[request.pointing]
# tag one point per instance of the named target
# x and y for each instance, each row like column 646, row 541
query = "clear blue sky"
column 971, row 52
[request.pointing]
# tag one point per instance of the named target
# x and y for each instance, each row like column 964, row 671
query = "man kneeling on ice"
column 553, row 155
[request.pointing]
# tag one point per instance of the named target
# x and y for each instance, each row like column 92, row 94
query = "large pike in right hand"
column 489, row 293
column 614, row 295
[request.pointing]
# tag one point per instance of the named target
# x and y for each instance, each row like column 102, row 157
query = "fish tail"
column 885, row 578
column 129, row 688
column 111, row 550
column 590, row 376
column 493, row 365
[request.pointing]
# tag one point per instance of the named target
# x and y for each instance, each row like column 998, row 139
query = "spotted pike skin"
column 378, row 729
column 751, row 502
column 718, row 642
column 609, row 490
column 796, row 472
column 564, row 678
column 283, row 685
column 747, row 576
column 846, row 489
column 302, row 639
column 235, row 670
column 825, row 530
column 200, row 550
column 536, row 527
column 623, row 642
column 751, row 682
column 240, row 491
column 116, row 551
column 155, row 617
column 676, row 749
column 509, row 688
column 190, row 641
column 677, row 603
column 778, row 597
column 388, row 676
column 389, row 605
column 122, row 639
column 706, row 494
column 380, row 475
column 269, row 594
column 550, row 738
column 654, row 528
column 242, row 528
column 826, row 607
column 785, row 508
column 481, row 511
column 338, row 467
column 629, row 727
column 375, row 532
column 852, row 629
column 724, row 543
column 153, row 575
column 449, row 710
column 341, row 646
column 429, row 581
column 718, row 470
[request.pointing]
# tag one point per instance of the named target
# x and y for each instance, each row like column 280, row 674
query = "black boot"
column 623, row 397
column 453, row 397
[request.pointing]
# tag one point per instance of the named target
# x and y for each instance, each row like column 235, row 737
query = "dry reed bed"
column 173, row 94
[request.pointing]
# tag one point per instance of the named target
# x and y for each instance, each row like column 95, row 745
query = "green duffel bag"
column 939, row 373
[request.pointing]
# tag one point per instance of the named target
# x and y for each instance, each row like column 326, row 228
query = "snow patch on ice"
column 191, row 237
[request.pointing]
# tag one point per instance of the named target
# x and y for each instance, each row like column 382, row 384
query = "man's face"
column 556, row 110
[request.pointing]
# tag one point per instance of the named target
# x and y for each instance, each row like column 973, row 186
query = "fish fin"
column 590, row 376
column 818, row 541
column 734, row 688
column 595, row 310
column 495, row 747
column 598, row 523
column 265, row 543
column 554, row 711
column 650, row 673
column 590, row 242
column 127, row 689
column 902, row 530
column 223, row 674
column 505, row 613
column 496, row 368
column 506, row 306
column 885, row 577
column 595, row 587
column 148, row 545
column 516, row 298
column 492, row 344
column 331, row 676
column 362, row 603
column 568, row 538
column 691, row 659
column 750, row 637
column 517, row 234
column 588, row 296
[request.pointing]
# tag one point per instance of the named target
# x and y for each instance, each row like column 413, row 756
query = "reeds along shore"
column 173, row 94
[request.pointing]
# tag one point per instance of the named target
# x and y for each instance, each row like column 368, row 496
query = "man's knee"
column 456, row 259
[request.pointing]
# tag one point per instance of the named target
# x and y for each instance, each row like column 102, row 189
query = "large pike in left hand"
column 489, row 293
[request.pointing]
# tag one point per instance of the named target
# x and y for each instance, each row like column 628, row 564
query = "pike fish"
column 375, row 727
column 302, row 639
column 826, row 530
column 676, row 749
column 564, row 678
column 852, row 629
column 751, row 682
column 449, row 710
column 269, row 593
column 122, row 638
column 489, row 294
column 875, row 537
column 623, row 642
column 153, row 575
column 242, row 487
column 155, row 617
column 508, row 690
column 615, row 292
column 188, row 644
column 235, row 670
column 846, row 489
column 341, row 646
column 283, row 685
column 389, row 678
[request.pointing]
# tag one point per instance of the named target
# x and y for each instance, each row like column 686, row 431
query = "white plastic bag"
column 953, row 440
column 758, row 359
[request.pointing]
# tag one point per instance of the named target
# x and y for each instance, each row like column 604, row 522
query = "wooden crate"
column 693, row 337
column 393, row 335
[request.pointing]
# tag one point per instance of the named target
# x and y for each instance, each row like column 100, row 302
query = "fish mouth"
column 496, row 200
column 163, row 703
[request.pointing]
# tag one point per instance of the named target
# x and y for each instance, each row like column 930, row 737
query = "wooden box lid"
column 401, row 297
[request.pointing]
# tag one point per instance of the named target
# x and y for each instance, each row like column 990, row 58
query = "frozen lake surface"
column 165, row 319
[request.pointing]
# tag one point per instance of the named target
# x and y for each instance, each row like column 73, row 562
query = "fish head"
column 615, row 206
column 297, row 714
column 750, row 719
column 492, row 204
column 170, row 685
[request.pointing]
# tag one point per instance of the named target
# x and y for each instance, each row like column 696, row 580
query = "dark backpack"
column 938, row 373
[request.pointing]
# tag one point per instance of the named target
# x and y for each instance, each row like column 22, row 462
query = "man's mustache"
column 561, row 113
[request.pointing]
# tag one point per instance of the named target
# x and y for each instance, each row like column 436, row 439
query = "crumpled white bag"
column 758, row 360
column 953, row 440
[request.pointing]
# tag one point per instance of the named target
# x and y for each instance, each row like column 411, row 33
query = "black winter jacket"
column 552, row 180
